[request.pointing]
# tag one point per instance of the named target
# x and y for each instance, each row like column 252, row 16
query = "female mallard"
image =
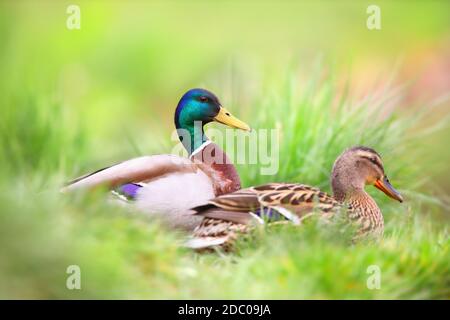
column 228, row 215
column 167, row 185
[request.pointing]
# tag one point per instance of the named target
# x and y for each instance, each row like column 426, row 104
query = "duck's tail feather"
column 205, row 242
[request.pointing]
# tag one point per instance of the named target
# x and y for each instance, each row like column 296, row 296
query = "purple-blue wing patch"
column 269, row 214
column 129, row 190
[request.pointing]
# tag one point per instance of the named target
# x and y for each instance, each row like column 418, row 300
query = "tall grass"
column 122, row 255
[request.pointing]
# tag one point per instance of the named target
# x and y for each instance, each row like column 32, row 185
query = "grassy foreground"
column 123, row 255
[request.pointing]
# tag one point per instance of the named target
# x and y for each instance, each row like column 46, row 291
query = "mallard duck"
column 168, row 186
column 228, row 215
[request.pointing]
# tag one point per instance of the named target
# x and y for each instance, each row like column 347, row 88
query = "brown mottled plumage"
column 228, row 215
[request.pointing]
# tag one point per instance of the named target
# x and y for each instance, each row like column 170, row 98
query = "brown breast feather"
column 216, row 164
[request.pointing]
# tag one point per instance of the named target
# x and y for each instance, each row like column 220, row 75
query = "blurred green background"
column 75, row 100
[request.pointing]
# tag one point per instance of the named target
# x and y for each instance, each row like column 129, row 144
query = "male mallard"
column 228, row 215
column 168, row 185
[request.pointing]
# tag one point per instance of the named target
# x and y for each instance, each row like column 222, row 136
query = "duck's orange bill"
column 385, row 186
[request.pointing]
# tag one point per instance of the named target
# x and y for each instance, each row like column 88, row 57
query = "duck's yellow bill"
column 385, row 186
column 225, row 117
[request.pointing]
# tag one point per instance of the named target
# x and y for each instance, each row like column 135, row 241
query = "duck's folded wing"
column 299, row 198
column 234, row 207
column 135, row 170
column 291, row 201
column 249, row 205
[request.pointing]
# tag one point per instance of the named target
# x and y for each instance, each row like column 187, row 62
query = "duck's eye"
column 373, row 160
column 203, row 99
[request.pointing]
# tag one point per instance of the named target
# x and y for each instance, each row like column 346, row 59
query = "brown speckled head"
column 357, row 167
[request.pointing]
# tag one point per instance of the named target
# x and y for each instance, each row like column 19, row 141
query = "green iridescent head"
column 196, row 108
